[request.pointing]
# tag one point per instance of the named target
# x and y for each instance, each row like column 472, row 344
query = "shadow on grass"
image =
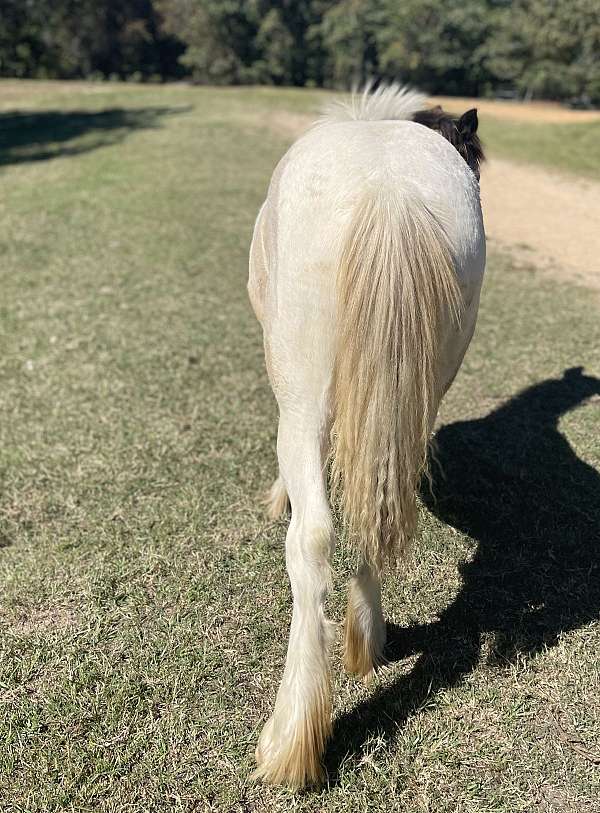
column 513, row 483
column 40, row 135
column 5, row 540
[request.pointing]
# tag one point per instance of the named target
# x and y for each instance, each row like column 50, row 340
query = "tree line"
column 533, row 48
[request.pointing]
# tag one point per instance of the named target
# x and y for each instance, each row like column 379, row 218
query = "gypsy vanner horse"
column 365, row 272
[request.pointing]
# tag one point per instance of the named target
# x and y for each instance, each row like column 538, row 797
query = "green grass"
column 143, row 593
column 566, row 147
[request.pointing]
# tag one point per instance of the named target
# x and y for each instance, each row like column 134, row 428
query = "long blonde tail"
column 397, row 289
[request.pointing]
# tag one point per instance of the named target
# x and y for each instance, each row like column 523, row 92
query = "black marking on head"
column 460, row 132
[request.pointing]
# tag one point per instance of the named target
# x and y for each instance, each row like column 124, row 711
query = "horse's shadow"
column 513, row 483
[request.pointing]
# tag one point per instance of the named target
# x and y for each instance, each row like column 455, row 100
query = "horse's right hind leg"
column 364, row 625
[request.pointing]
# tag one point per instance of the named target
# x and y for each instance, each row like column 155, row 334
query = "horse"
column 366, row 265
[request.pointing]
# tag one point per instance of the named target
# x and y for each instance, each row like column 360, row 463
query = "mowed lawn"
column 144, row 602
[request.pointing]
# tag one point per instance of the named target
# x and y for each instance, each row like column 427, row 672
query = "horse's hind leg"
column 292, row 742
column 364, row 625
column 276, row 499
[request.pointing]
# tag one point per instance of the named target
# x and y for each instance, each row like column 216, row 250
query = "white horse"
column 365, row 271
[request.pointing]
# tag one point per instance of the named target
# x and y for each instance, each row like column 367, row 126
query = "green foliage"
column 276, row 44
column 248, row 41
column 217, row 35
column 548, row 48
column 21, row 48
column 351, row 32
column 81, row 38
column 440, row 51
column 538, row 48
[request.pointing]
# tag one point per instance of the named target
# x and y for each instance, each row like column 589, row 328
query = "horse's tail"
column 397, row 289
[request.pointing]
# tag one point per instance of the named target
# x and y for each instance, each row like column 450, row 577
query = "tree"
column 275, row 45
column 78, row 38
column 437, row 44
column 241, row 41
column 219, row 35
column 544, row 48
column 350, row 31
column 548, row 48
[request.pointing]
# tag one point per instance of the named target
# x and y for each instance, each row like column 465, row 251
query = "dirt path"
column 545, row 219
column 534, row 112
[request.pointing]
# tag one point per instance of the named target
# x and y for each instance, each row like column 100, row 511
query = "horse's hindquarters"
column 368, row 231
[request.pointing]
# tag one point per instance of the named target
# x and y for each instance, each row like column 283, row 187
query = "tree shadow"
column 41, row 135
column 512, row 482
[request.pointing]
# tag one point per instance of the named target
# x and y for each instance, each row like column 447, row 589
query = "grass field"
column 565, row 147
column 143, row 592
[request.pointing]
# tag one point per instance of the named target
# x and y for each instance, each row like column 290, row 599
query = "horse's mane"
column 392, row 101
column 460, row 131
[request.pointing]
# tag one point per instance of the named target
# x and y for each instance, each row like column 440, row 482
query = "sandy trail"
column 543, row 218
column 533, row 112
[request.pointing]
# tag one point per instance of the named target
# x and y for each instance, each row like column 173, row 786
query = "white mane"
column 393, row 101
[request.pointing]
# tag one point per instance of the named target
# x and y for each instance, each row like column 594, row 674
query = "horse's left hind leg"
column 292, row 742
column 276, row 499
column 364, row 625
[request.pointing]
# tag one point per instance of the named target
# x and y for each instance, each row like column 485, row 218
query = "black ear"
column 467, row 123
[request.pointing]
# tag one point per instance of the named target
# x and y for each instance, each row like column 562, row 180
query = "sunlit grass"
column 566, row 147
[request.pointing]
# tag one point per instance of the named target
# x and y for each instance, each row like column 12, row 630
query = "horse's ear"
column 437, row 109
column 467, row 123
column 573, row 372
